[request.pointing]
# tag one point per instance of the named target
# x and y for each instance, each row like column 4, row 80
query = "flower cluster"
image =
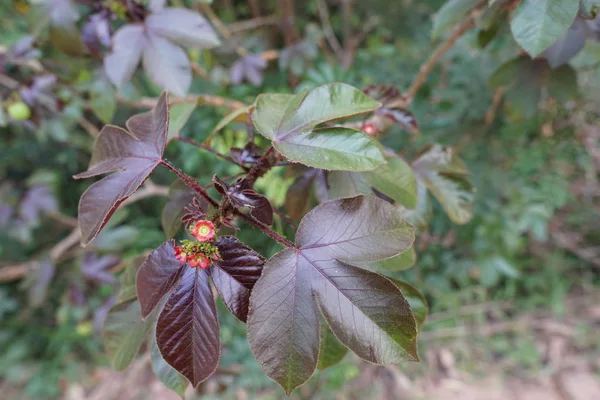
column 202, row 252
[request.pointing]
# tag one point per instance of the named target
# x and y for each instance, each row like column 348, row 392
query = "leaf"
column 417, row 301
column 165, row 373
column 97, row 269
column 167, row 65
column 452, row 12
column 241, row 195
column 102, row 99
column 395, row 179
column 400, row 262
column 235, row 275
column 562, row 83
column 421, row 214
column 331, row 351
column 38, row 200
column 298, row 195
column 250, row 68
column 589, row 9
column 184, row 27
column 127, row 284
column 365, row 311
column 157, row 276
column 239, row 115
column 290, row 122
column 180, row 195
column 127, row 47
column 132, row 155
column 179, row 114
column 124, row 333
column 447, row 178
column 187, row 331
column 40, row 282
column 568, row 45
column 537, row 24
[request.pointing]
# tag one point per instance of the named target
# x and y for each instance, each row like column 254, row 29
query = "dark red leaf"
column 132, row 155
column 157, row 276
column 241, row 195
column 235, row 275
column 187, row 331
column 365, row 311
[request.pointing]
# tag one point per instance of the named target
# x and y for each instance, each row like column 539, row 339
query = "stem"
column 191, row 182
column 210, row 150
column 260, row 168
column 274, row 235
column 433, row 59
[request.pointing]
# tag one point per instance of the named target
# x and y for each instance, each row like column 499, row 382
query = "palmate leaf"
column 187, row 332
column 537, row 24
column 290, row 122
column 131, row 155
column 365, row 311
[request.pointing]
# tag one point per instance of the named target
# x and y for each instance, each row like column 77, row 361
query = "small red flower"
column 204, row 231
column 180, row 254
column 198, row 261
column 369, row 129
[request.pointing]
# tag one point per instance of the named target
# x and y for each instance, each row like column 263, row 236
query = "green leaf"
column 239, row 115
column 537, row 24
column 562, row 83
column 102, row 99
column 127, row 280
column 290, row 122
column 179, row 114
column 400, row 262
column 331, row 351
column 395, row 179
column 589, row 9
column 124, row 333
column 452, row 12
column 417, row 301
column 447, row 178
column 421, row 214
column 166, row 374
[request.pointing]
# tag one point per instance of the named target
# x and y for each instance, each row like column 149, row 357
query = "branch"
column 328, row 29
column 252, row 24
column 215, row 101
column 433, row 59
column 221, row 27
column 210, row 150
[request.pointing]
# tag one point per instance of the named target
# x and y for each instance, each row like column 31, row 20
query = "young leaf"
column 446, row 176
column 235, row 275
column 131, row 156
column 187, row 330
column 165, row 373
column 537, row 24
column 290, row 122
column 366, row 312
column 124, row 333
column 157, row 276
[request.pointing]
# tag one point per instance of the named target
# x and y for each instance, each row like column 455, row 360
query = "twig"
column 215, row 101
column 496, row 100
column 468, row 310
column 328, row 29
column 221, row 27
column 433, row 59
column 63, row 219
column 210, row 150
column 88, row 127
column 254, row 23
column 199, row 71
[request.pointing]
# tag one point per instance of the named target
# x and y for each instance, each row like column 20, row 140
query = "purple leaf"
column 393, row 106
column 38, row 200
column 96, row 268
column 365, row 311
column 157, row 276
column 187, row 331
column 184, row 27
column 101, row 313
column 62, row 12
column 235, row 275
column 95, row 33
column 131, row 156
column 128, row 43
column 250, row 68
column 241, row 196
column 167, row 65
column 568, row 45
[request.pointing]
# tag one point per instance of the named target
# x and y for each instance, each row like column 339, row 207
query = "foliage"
column 474, row 148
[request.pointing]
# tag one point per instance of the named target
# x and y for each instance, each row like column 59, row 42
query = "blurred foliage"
column 531, row 164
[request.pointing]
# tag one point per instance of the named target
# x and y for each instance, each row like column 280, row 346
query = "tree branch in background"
column 254, row 23
column 328, row 29
column 215, row 101
column 433, row 59
column 221, row 27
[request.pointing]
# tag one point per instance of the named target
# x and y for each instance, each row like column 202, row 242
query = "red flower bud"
column 180, row 254
column 204, row 231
